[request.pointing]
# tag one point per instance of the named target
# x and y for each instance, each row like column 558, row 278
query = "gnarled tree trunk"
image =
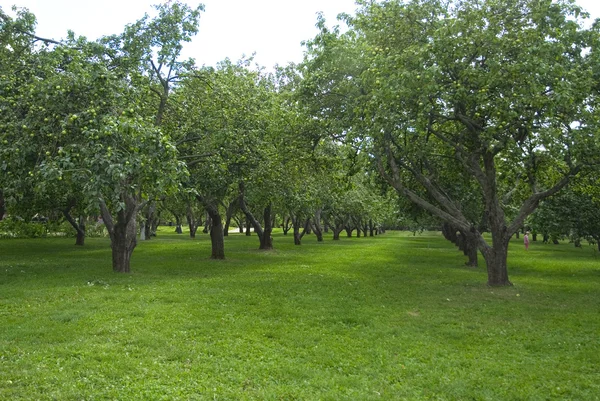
column 216, row 227
column 296, row 222
column 264, row 234
column 122, row 232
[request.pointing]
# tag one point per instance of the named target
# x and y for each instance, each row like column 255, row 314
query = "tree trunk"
column 240, row 223
column 123, row 233
column 2, row 205
column 349, row 231
column 143, row 231
column 297, row 234
column 122, row 248
column 178, row 229
column 79, row 227
column 216, row 233
column 228, row 215
column 80, row 239
column 248, row 228
column 286, row 225
column 316, row 226
column 149, row 215
column 207, row 224
column 264, row 235
column 471, row 251
column 336, row 231
column 495, row 259
column 192, row 224
column 371, row 228
column 266, row 240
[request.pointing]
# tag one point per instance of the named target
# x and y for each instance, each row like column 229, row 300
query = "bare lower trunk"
column 297, row 234
column 192, row 224
column 122, row 249
column 248, row 228
column 150, row 216
column 216, row 234
column 316, row 226
column 123, row 232
column 178, row 228
column 336, row 232
column 264, row 234
column 471, row 252
column 495, row 260
column 496, row 255
column 78, row 226
column 287, row 224
column 2, row 205
column 80, row 239
column 228, row 216
column 266, row 240
column 349, row 231
column 207, row 224
column 371, row 229
column 216, row 226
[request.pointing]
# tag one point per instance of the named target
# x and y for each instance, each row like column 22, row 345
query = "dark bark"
column 297, row 223
column 337, row 229
column 495, row 259
column 371, row 228
column 216, row 226
column 248, row 227
column 266, row 240
column 149, row 216
column 228, row 216
column 192, row 223
column 287, row 225
column 207, row 224
column 2, row 205
column 316, row 226
column 122, row 232
column 479, row 162
column 216, row 234
column 178, row 229
column 465, row 242
column 240, row 223
column 78, row 226
column 154, row 223
column 534, row 237
column 264, row 235
column 349, row 230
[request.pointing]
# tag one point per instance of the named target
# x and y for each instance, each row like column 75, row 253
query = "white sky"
column 228, row 28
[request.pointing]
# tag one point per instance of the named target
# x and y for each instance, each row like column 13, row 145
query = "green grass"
column 387, row 318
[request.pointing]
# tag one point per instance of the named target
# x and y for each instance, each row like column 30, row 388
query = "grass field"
column 394, row 317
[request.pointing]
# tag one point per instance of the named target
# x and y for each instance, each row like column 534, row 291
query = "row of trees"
column 472, row 112
column 122, row 127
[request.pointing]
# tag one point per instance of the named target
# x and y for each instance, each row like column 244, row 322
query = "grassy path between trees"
column 386, row 318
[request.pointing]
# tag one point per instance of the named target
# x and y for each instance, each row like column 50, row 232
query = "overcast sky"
column 228, row 28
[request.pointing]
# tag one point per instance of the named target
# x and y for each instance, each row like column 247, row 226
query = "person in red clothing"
column 526, row 240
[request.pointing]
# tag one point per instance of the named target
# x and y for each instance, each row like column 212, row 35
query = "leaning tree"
column 486, row 88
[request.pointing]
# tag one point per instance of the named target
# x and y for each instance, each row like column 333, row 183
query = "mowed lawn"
column 394, row 317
